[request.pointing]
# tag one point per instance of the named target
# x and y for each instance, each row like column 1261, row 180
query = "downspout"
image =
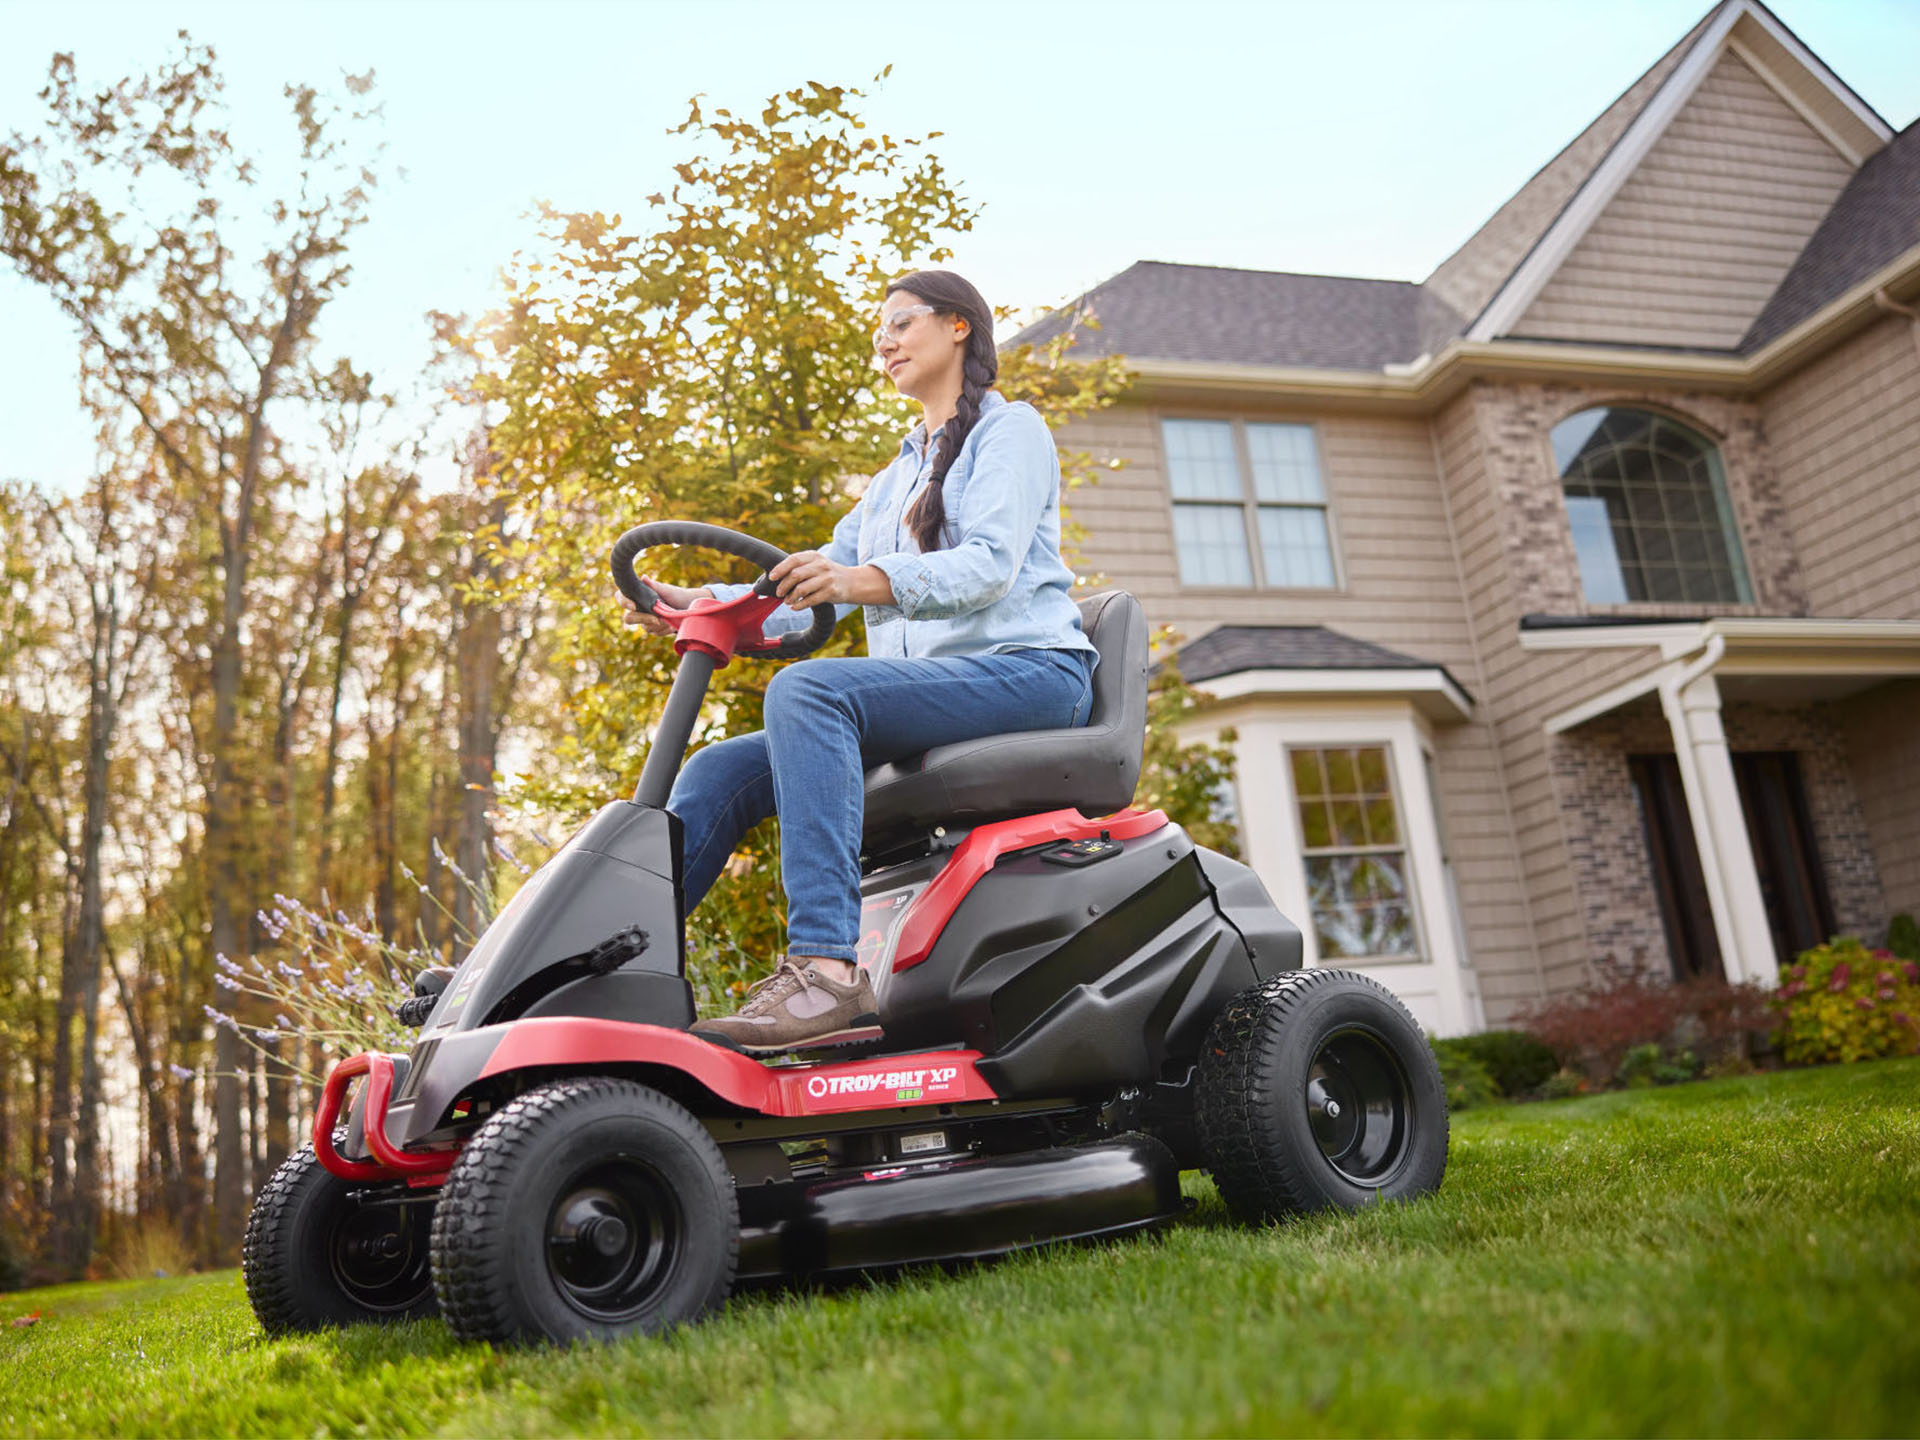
column 1892, row 306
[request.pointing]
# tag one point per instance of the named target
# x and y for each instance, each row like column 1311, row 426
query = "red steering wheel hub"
column 721, row 629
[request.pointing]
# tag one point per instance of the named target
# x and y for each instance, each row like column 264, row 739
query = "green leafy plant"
column 1903, row 936
column 1843, row 1002
column 1518, row 1063
column 1468, row 1081
column 1647, row 1065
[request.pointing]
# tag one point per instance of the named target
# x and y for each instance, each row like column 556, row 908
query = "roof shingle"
column 1158, row 311
column 1233, row 648
column 1876, row 219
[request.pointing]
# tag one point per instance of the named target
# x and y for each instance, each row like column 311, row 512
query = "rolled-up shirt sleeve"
column 1014, row 475
column 842, row 549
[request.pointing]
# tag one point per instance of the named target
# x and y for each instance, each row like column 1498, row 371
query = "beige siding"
column 1470, row 277
column 1704, row 230
column 1845, row 440
column 1882, row 732
column 1493, row 486
column 1405, row 586
column 1401, row 585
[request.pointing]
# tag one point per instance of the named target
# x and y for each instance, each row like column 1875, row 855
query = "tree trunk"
column 479, row 659
column 74, row 1124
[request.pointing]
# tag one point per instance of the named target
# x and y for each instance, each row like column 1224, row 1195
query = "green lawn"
column 1736, row 1257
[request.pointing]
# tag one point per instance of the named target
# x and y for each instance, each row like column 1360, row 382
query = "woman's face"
column 921, row 350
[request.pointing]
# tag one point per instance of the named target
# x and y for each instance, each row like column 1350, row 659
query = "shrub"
column 1707, row 1020
column 1843, row 1002
column 1645, row 1065
column 1903, row 937
column 1518, row 1063
column 1467, row 1080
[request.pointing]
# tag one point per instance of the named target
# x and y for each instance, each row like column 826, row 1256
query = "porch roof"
column 1772, row 660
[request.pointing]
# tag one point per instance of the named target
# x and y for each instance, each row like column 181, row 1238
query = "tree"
column 718, row 368
column 118, row 209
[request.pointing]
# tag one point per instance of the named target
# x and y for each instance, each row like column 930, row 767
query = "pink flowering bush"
column 1842, row 1002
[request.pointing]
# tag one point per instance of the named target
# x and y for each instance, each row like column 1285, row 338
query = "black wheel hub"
column 1359, row 1106
column 378, row 1255
column 611, row 1239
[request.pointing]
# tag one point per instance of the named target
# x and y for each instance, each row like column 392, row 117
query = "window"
column 1248, row 505
column 1647, row 505
column 1358, row 885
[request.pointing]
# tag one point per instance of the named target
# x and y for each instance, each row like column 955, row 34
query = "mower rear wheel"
column 587, row 1209
column 1317, row 1090
column 321, row 1251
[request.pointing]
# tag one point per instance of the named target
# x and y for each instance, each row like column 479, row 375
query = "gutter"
column 1887, row 303
column 1427, row 384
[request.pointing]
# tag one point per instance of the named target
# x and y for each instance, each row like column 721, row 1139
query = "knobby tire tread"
column 264, row 1257
column 469, row 1266
column 1257, row 1180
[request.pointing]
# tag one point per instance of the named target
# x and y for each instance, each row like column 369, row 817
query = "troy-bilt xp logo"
column 903, row 1084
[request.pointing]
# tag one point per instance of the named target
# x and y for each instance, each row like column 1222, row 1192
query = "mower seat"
column 1092, row 769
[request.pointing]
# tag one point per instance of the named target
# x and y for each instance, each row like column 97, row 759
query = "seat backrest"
column 1093, row 768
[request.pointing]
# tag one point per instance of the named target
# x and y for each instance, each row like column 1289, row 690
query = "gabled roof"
column 1744, row 27
column 1208, row 315
column 1473, row 274
column 1257, row 317
column 1875, row 220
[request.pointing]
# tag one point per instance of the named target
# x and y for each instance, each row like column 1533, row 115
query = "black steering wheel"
column 727, row 542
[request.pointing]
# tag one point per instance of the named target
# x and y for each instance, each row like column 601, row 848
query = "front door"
column 1685, row 913
column 1780, row 830
column 1791, row 877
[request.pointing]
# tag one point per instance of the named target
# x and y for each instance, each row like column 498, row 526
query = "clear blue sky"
column 1359, row 138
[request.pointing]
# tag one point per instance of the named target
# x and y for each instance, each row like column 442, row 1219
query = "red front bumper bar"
column 393, row 1164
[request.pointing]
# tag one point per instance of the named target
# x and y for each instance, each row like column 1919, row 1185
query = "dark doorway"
column 1780, row 829
column 1791, row 876
column 1685, row 912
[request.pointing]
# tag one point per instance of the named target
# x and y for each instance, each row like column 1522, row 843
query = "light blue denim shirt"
column 997, row 582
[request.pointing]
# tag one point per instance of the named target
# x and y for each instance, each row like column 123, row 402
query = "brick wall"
column 1606, row 843
column 1882, row 732
column 1518, row 423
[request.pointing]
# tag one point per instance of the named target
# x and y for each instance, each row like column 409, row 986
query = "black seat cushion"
column 1092, row 769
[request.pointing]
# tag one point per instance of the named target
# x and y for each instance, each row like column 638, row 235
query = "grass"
column 1736, row 1257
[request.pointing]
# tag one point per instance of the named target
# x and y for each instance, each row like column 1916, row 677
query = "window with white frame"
column 1249, row 507
column 1648, row 509
column 1359, row 884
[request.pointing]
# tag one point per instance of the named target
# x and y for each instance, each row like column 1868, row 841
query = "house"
column 1566, row 604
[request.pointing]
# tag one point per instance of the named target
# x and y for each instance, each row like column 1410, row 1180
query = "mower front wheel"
column 1317, row 1090
column 588, row 1209
column 321, row 1251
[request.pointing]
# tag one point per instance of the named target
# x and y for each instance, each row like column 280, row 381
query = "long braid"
column 977, row 375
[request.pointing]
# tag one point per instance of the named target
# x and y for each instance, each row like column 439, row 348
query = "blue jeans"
column 828, row 722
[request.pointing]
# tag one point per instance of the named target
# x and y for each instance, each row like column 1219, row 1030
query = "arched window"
column 1647, row 501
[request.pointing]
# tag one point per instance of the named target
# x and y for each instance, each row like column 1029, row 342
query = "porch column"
column 1692, row 705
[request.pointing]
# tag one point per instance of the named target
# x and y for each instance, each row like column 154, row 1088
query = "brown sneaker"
column 796, row 1006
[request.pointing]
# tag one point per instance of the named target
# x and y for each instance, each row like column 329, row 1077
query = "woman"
column 954, row 550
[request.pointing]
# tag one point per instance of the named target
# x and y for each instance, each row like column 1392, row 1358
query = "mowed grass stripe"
column 1737, row 1257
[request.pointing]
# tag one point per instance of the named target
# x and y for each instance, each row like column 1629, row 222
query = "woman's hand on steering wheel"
column 807, row 578
column 675, row 596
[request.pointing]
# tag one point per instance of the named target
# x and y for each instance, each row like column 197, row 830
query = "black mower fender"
column 1272, row 940
column 439, row 1069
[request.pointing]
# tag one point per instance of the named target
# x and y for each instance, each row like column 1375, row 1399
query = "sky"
column 1352, row 139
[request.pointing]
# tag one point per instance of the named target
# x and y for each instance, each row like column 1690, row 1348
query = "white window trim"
column 1250, row 504
column 1438, row 986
